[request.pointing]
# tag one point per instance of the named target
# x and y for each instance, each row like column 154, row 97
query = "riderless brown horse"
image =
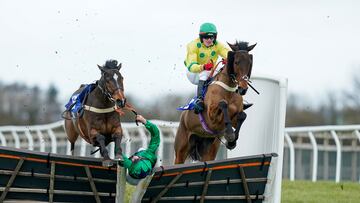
column 100, row 123
column 223, row 110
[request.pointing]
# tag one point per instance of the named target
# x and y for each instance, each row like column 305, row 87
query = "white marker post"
column 120, row 183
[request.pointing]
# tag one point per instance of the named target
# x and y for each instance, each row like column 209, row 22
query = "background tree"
column 351, row 110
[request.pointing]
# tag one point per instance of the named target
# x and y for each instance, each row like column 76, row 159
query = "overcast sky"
column 315, row 44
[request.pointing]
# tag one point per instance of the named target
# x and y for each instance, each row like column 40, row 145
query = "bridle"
column 102, row 86
column 233, row 75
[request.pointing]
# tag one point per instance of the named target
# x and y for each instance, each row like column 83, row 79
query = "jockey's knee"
column 193, row 77
column 203, row 75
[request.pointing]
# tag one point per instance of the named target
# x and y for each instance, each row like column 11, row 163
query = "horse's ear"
column 230, row 62
column 232, row 46
column 251, row 64
column 119, row 66
column 101, row 68
column 251, row 47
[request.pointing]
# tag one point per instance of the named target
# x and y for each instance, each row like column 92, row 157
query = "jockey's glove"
column 208, row 66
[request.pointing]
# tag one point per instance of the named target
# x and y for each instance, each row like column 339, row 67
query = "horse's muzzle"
column 121, row 102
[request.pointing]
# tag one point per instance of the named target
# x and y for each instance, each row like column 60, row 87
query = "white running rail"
column 345, row 138
column 52, row 137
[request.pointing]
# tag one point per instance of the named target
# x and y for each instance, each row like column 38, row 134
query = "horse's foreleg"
column 100, row 139
column 118, row 151
column 229, row 133
column 240, row 118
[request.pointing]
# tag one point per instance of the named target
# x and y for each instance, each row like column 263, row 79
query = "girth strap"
column 205, row 126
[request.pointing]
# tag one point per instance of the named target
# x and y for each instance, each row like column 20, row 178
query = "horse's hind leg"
column 211, row 153
column 72, row 149
column 181, row 144
column 72, row 134
column 101, row 139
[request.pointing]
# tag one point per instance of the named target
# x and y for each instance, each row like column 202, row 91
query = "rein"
column 214, row 68
column 248, row 81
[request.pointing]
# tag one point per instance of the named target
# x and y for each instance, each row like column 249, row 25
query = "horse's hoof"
column 231, row 145
column 107, row 163
column 118, row 157
column 229, row 135
column 246, row 106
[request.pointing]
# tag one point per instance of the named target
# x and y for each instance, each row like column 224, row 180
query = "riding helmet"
column 207, row 30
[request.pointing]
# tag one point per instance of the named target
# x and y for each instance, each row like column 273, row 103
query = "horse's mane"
column 239, row 46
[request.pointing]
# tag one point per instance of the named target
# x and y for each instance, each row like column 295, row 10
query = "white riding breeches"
column 195, row 77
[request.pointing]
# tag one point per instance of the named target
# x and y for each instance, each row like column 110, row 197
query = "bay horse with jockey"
column 198, row 135
column 100, row 123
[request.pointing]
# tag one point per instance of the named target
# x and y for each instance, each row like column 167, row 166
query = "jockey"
column 202, row 53
column 141, row 163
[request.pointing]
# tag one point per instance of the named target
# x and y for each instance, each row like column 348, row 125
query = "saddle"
column 76, row 103
column 191, row 104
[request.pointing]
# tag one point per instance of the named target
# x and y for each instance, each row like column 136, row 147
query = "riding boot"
column 199, row 103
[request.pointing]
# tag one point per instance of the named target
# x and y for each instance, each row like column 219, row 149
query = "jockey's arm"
column 191, row 61
column 155, row 136
column 126, row 161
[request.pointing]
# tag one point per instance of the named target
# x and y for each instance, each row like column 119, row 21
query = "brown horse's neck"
column 224, row 77
column 98, row 99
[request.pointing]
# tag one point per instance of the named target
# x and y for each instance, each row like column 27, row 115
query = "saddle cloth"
column 191, row 104
column 75, row 104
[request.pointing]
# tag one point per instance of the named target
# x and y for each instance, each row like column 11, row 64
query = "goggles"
column 208, row 36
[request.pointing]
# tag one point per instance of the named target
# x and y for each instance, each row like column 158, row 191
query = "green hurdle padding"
column 50, row 177
column 232, row 180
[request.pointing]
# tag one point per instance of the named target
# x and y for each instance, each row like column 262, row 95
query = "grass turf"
column 307, row 192
column 320, row 192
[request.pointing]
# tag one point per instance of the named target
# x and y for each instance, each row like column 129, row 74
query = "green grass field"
column 308, row 192
column 320, row 192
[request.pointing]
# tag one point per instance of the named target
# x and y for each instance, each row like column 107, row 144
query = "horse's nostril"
column 121, row 102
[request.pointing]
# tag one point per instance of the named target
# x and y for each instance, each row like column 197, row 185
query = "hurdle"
column 261, row 133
